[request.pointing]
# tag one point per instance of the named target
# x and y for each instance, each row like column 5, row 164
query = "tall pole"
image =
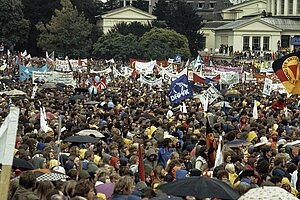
column 58, row 138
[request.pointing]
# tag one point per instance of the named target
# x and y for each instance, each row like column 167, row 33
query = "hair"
column 43, row 188
column 83, row 187
column 53, row 195
column 27, row 180
column 174, row 155
column 124, row 185
column 230, row 168
column 69, row 189
column 221, row 173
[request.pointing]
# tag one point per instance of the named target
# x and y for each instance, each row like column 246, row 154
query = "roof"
column 284, row 24
column 234, row 24
column 214, row 24
column 241, row 5
column 127, row 8
column 210, row 16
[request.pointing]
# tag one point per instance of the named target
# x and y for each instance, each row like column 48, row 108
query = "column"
column 278, row 7
column 250, row 42
column 269, row 6
column 261, row 43
column 286, row 7
column 124, row 3
column 295, row 7
column 272, row 10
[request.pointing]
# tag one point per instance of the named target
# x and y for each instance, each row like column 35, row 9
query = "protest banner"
column 54, row 77
column 211, row 94
column 267, row 86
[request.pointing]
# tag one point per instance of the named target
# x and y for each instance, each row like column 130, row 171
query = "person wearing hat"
column 285, row 184
column 248, row 178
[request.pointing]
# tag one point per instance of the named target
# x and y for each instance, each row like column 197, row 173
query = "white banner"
column 54, row 77
column 267, row 86
column 229, row 77
column 103, row 72
column 63, row 65
column 150, row 82
column 145, row 67
column 210, row 94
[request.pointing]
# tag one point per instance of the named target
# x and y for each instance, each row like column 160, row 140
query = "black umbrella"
column 81, row 89
column 81, row 139
column 74, row 97
column 200, row 187
column 167, row 197
column 22, row 164
column 6, row 81
column 61, row 85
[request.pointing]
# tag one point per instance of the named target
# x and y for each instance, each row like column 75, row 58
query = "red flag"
column 101, row 85
column 198, row 79
column 141, row 165
column 134, row 73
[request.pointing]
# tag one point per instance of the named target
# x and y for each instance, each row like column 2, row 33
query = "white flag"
column 254, row 113
column 205, row 106
column 183, row 108
column 219, row 154
column 43, row 120
column 8, row 132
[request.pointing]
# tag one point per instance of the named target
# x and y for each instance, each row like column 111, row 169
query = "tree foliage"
column 181, row 17
column 14, row 28
column 163, row 43
column 67, row 33
column 135, row 28
column 117, row 46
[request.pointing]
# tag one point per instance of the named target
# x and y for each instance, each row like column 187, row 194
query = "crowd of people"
column 256, row 152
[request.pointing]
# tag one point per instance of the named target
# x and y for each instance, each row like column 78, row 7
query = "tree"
column 135, row 28
column 141, row 4
column 68, row 33
column 117, row 46
column 14, row 28
column 37, row 11
column 161, row 43
column 181, row 17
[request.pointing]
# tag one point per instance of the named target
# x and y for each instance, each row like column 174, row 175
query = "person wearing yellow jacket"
column 286, row 184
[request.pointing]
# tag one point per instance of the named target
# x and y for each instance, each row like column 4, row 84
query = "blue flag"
column 177, row 59
column 180, row 89
column 26, row 72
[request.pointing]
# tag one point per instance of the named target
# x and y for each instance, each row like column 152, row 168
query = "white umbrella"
column 268, row 192
column 221, row 104
column 14, row 93
column 91, row 132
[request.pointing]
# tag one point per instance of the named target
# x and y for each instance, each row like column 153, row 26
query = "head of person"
column 124, row 186
column 86, row 189
column 27, row 180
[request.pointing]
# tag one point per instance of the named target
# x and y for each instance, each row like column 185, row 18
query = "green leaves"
column 67, row 33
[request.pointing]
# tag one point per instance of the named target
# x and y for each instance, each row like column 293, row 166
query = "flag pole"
column 9, row 136
column 58, row 139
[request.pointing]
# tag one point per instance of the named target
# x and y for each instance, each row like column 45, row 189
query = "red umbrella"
column 49, row 116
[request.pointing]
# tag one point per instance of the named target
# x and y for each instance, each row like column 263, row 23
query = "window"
column 211, row 5
column 275, row 7
column 201, row 5
column 290, row 7
column 246, row 43
column 285, row 41
column 266, row 43
column 256, row 43
column 282, row 7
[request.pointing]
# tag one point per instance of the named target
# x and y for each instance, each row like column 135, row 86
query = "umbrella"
column 91, row 102
column 52, row 177
column 49, row 116
column 106, row 188
column 81, row 89
column 61, row 85
column 221, row 104
column 81, row 139
column 14, row 93
column 6, row 81
column 268, row 192
column 294, row 143
column 168, row 197
column 200, row 187
column 90, row 132
column 74, row 97
column 232, row 93
column 22, row 164
column 237, row 143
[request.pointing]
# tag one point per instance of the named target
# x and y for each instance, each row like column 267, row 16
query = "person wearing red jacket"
column 279, row 104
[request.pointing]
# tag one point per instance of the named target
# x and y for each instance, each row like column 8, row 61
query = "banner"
column 150, row 82
column 267, row 86
column 210, row 95
column 229, row 69
column 55, row 77
column 180, row 89
column 266, row 67
column 103, row 72
column 145, row 67
column 27, row 72
column 229, row 78
column 64, row 65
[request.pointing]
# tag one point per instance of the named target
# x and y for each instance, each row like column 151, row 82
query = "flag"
column 198, row 79
column 211, row 144
column 101, row 85
column 141, row 167
column 177, row 58
column 43, row 119
column 8, row 132
column 219, row 154
column 110, row 61
column 198, row 62
column 254, row 112
column 205, row 104
column 180, row 89
column 18, row 59
column 287, row 70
